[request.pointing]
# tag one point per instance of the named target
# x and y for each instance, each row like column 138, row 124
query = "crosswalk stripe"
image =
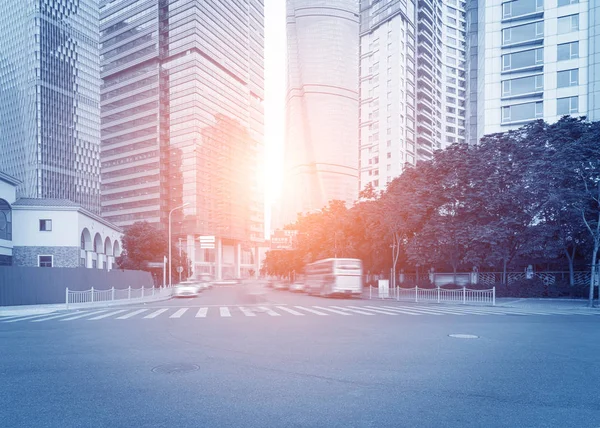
column 270, row 312
column 332, row 310
column 288, row 310
column 52, row 317
column 247, row 312
column 201, row 313
column 156, row 313
column 83, row 315
column 420, row 310
column 378, row 311
column 179, row 313
column 224, row 311
column 12, row 317
column 30, row 317
column 356, row 311
column 428, row 311
column 310, row 310
column 131, row 314
column 99, row 317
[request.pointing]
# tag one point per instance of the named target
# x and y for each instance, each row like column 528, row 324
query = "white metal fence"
column 437, row 295
column 113, row 295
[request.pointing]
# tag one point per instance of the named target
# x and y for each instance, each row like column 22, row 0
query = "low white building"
column 53, row 232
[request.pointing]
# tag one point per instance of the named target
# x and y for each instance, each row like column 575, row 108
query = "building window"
column 567, row 51
column 5, row 220
column 567, row 78
column 523, row 85
column 516, row 8
column 567, row 24
column 522, row 112
column 523, row 59
column 45, row 261
column 389, row 155
column 523, row 33
column 567, row 105
column 376, row 183
column 45, row 225
column 94, row 264
column 82, row 261
column 566, row 2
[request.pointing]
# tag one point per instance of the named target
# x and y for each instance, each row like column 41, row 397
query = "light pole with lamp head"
column 171, row 212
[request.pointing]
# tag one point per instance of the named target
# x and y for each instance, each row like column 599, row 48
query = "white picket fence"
column 437, row 295
column 93, row 297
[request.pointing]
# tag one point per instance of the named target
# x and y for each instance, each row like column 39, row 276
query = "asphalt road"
column 300, row 371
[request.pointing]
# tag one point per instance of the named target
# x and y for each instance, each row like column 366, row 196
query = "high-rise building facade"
column 321, row 136
column 50, row 99
column 182, row 122
column 412, row 83
column 388, row 87
column 534, row 59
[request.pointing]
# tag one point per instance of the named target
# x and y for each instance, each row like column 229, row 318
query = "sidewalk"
column 543, row 303
column 25, row 310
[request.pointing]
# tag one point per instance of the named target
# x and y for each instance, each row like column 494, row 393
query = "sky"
column 275, row 83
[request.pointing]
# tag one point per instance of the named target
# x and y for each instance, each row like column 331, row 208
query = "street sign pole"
column 164, row 272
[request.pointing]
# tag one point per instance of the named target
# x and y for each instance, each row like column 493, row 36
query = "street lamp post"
column 171, row 212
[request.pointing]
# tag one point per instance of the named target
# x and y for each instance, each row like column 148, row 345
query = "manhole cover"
column 464, row 336
column 175, row 368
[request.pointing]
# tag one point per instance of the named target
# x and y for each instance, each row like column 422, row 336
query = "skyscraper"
column 49, row 99
column 412, row 84
column 533, row 59
column 182, row 121
column 387, row 90
column 321, row 141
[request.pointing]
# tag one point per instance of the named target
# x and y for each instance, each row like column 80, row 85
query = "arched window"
column 5, row 220
column 82, row 241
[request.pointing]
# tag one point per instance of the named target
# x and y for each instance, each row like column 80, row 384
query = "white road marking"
column 30, row 317
column 332, row 310
column 201, row 313
column 247, row 312
column 288, row 310
column 55, row 316
column 356, row 311
column 310, row 310
column 270, row 312
column 86, row 314
column 131, row 314
column 378, row 311
column 419, row 311
column 179, row 313
column 156, row 313
column 99, row 317
column 224, row 311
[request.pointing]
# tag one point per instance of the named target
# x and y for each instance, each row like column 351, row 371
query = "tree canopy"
column 143, row 243
column 527, row 196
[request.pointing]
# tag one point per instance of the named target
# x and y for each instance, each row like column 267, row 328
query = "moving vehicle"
column 187, row 289
column 334, row 277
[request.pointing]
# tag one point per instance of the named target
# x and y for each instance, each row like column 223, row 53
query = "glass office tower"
column 182, row 121
column 50, row 99
column 321, row 140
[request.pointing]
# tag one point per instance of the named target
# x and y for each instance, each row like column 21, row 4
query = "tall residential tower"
column 182, row 122
column 321, row 147
column 50, row 99
column 533, row 59
column 412, row 83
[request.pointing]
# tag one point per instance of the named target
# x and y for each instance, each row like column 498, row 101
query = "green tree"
column 144, row 243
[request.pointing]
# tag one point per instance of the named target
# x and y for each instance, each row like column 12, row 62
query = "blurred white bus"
column 333, row 277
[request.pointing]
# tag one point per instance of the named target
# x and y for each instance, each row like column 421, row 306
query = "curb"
column 9, row 311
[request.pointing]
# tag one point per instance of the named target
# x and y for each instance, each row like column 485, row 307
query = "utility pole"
column 180, row 267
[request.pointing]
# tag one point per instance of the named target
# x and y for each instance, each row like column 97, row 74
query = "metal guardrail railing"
column 113, row 295
column 437, row 295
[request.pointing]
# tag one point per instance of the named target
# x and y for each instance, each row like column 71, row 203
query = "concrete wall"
column 26, row 228
column 62, row 256
column 36, row 286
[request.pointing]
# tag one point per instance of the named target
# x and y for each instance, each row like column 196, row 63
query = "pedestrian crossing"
column 274, row 311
